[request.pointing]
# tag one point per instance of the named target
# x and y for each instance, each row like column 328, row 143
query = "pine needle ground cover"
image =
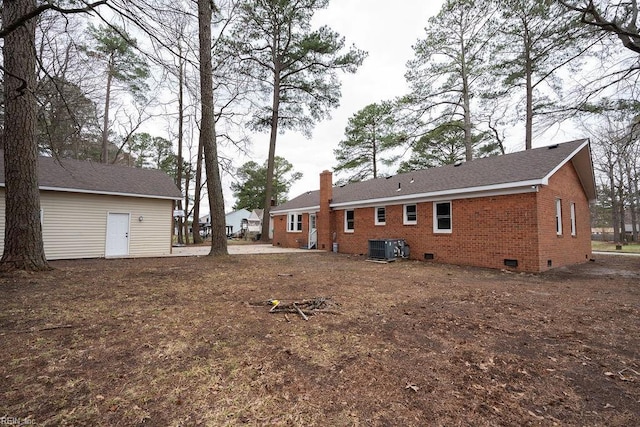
column 182, row 342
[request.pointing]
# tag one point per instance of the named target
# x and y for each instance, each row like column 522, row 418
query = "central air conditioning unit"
column 388, row 249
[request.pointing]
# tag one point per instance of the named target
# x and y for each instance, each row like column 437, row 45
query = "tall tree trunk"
column 105, row 130
column 23, row 245
column 268, row 193
column 208, row 133
column 468, row 135
column 621, row 202
column 613, row 194
column 374, row 154
column 466, row 107
column 634, row 212
column 275, row 106
column 632, row 193
column 528, row 69
column 180, row 131
column 197, row 196
column 185, row 223
column 623, row 231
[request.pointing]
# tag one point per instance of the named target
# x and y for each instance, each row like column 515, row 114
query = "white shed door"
column 117, row 234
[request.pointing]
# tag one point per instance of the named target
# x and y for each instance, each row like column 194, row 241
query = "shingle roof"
column 524, row 168
column 98, row 178
column 305, row 200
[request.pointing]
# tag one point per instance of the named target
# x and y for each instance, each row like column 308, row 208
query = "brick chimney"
column 325, row 218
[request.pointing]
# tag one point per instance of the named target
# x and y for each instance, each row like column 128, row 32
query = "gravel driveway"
column 235, row 250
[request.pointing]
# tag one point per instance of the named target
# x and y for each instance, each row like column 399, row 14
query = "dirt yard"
column 192, row 341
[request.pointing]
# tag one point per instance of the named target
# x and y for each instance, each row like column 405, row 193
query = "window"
column 573, row 219
column 559, row 217
column 349, row 221
column 442, row 217
column 381, row 215
column 410, row 215
column 294, row 222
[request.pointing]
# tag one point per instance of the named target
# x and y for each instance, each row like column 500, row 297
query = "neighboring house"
column 94, row 210
column 205, row 225
column 526, row 211
column 602, row 233
column 607, row 233
column 234, row 221
column 255, row 221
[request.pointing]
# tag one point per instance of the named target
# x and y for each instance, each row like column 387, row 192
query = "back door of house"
column 313, row 232
column 117, row 234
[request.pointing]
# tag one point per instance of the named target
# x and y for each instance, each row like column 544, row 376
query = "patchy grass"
column 633, row 248
column 175, row 341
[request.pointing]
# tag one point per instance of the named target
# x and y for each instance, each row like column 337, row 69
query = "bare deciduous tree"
column 619, row 18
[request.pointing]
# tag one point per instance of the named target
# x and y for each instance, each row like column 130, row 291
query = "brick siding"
column 564, row 249
column 290, row 239
column 486, row 231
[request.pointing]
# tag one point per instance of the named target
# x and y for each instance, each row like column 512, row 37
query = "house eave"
column 583, row 165
column 305, row 209
column 530, row 186
column 106, row 193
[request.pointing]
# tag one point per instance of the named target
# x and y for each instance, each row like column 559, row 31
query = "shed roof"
column 98, row 178
column 498, row 173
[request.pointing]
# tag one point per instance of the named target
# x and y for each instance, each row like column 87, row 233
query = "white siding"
column 74, row 225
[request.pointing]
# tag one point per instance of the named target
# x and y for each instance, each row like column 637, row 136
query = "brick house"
column 526, row 211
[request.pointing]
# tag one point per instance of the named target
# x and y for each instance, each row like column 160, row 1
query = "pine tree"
column 293, row 65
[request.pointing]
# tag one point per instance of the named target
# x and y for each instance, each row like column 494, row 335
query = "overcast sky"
column 386, row 30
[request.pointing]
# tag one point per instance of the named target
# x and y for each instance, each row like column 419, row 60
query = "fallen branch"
column 51, row 328
column 626, row 378
column 46, row 328
column 305, row 308
column 304, row 316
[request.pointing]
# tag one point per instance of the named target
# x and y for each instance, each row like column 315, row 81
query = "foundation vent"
column 510, row 262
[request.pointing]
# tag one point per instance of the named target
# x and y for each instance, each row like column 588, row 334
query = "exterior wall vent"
column 510, row 262
column 428, row 256
column 388, row 249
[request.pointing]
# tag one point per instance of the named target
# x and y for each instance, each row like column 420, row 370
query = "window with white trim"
column 559, row 217
column 573, row 219
column 381, row 215
column 442, row 217
column 410, row 214
column 349, row 221
column 294, row 223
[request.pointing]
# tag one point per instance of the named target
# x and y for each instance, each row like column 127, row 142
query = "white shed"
column 94, row 210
